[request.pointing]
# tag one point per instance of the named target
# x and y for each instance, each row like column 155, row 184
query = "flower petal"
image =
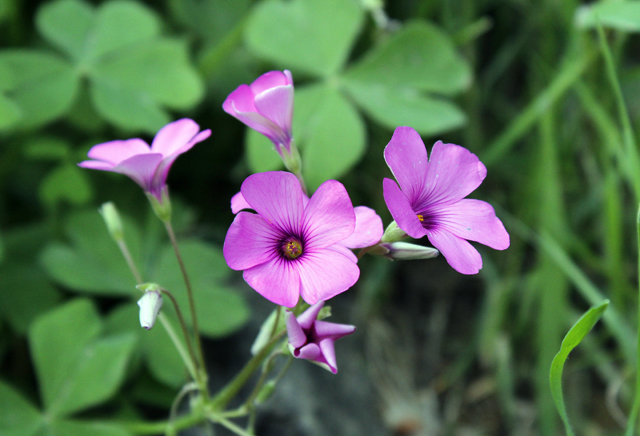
column 474, row 220
column 459, row 253
column 239, row 100
column 140, row 168
column 325, row 329
column 238, row 203
column 277, row 197
column 368, row 229
column 297, row 338
column 327, row 272
column 269, row 80
column 174, row 136
column 401, row 211
column 263, row 125
column 329, row 216
column 328, row 352
column 406, row 156
column 96, row 165
column 453, row 173
column 117, row 151
column 307, row 318
column 249, row 242
column 310, row 352
column 276, row 104
column 277, row 280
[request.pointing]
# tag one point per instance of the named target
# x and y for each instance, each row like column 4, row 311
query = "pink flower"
column 290, row 248
column 266, row 106
column 147, row 166
column 314, row 340
column 432, row 201
column 368, row 230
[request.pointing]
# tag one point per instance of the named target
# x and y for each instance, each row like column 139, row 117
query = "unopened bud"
column 403, row 251
column 150, row 305
column 112, row 219
column 393, row 233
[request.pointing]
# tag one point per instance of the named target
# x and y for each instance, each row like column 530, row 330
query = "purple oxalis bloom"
column 290, row 248
column 147, row 166
column 432, row 201
column 266, row 106
column 314, row 340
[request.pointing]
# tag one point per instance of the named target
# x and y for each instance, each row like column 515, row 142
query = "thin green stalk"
column 186, row 359
column 183, row 324
column 633, row 416
column 154, row 428
column 192, row 305
column 220, row 401
column 230, row 425
column 127, row 256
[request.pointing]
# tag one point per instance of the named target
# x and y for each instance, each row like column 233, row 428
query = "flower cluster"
column 291, row 246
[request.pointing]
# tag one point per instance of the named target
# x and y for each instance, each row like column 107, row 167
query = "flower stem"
column 185, row 330
column 127, row 256
column 188, row 362
column 192, row 306
column 633, row 416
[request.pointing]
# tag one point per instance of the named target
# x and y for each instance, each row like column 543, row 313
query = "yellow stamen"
column 292, row 248
column 421, row 218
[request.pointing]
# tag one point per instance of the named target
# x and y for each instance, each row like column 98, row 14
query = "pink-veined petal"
column 459, row 253
column 297, row 338
column 329, row 216
column 96, row 165
column 117, row 151
column 407, row 158
column 401, row 211
column 239, row 100
column 250, row 241
column 269, row 80
column 238, row 203
column 276, row 104
column 327, row 347
column 368, row 229
column 310, row 352
column 277, row 280
column 174, row 136
column 307, row 318
column 140, row 168
column 325, row 329
column 474, row 220
column 265, row 126
column 277, row 197
column 454, row 172
column 326, row 272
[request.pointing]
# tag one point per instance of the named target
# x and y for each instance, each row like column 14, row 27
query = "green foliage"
column 570, row 341
column 623, row 16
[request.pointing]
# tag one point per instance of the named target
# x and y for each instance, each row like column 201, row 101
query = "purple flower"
column 266, row 106
column 147, row 166
column 432, row 201
column 312, row 339
column 368, row 230
column 290, row 247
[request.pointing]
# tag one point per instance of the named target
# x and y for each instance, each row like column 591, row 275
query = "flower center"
column 421, row 218
column 291, row 248
column 428, row 220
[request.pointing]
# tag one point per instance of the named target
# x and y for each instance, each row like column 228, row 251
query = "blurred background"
column 523, row 84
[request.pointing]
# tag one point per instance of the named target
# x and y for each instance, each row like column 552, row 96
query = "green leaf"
column 25, row 293
column 309, row 35
column 75, row 369
column 419, row 56
column 47, row 148
column 44, row 85
column 18, row 417
column 261, row 154
column 10, row 113
column 220, row 311
column 393, row 107
column 623, row 16
column 401, row 81
column 212, row 19
column 78, row 428
column 93, row 262
column 129, row 89
column 330, row 133
column 66, row 183
column 570, row 341
column 66, row 24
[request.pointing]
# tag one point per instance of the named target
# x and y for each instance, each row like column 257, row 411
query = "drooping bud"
column 150, row 304
column 112, row 219
column 393, row 233
column 403, row 251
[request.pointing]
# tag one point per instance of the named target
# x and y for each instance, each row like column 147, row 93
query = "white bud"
column 112, row 220
column 404, row 251
column 150, row 305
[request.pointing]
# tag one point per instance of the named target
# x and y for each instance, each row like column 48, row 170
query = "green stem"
column 127, row 256
column 183, row 324
column 220, row 401
column 192, row 306
column 633, row 417
column 188, row 362
column 229, row 425
column 153, row 428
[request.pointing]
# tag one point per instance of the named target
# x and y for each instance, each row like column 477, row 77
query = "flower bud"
column 403, row 251
column 112, row 219
column 393, row 233
column 150, row 305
